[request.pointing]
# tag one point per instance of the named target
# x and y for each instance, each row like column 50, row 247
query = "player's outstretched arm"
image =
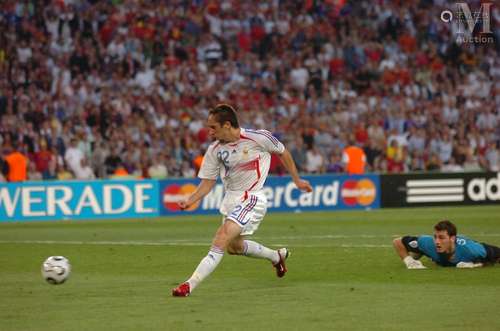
column 203, row 188
column 287, row 160
column 409, row 261
column 400, row 248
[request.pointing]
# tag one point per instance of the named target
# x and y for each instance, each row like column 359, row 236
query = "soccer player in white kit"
column 241, row 157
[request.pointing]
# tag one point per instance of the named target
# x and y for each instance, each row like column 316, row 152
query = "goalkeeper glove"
column 468, row 265
column 411, row 263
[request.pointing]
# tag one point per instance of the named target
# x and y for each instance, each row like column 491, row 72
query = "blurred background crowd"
column 96, row 89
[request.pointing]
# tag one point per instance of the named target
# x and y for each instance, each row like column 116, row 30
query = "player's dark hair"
column 447, row 226
column 225, row 113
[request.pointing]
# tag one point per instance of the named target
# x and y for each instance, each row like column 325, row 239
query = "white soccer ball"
column 56, row 269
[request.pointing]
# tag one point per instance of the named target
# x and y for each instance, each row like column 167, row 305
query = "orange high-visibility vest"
column 18, row 164
column 198, row 161
column 120, row 171
column 356, row 160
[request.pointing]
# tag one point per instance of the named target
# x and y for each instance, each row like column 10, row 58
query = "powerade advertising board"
column 38, row 201
column 329, row 193
column 68, row 200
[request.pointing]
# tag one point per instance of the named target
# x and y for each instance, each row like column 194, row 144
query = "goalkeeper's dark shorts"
column 492, row 253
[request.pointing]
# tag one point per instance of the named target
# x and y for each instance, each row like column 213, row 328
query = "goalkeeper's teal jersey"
column 466, row 250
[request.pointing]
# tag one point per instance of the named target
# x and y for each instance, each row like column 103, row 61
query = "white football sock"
column 254, row 249
column 206, row 267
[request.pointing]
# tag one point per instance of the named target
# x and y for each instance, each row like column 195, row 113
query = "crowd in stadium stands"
column 96, row 89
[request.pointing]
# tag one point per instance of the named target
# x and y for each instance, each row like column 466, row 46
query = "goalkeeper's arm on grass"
column 407, row 249
column 492, row 257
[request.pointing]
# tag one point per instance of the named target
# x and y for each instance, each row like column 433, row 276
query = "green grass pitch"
column 343, row 275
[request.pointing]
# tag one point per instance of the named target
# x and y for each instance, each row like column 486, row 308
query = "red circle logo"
column 361, row 192
column 173, row 194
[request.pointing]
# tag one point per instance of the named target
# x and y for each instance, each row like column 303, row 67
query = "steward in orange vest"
column 354, row 159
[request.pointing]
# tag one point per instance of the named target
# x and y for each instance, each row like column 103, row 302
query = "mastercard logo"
column 173, row 194
column 362, row 192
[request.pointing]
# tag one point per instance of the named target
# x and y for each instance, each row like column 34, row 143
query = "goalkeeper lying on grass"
column 446, row 249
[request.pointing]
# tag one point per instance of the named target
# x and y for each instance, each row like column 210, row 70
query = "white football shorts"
column 247, row 213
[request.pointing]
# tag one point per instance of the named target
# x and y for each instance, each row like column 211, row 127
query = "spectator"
column 112, row 162
column 63, row 173
column 354, row 159
column 416, row 163
column 84, row 172
column 187, row 171
column 73, row 157
column 197, row 161
column 4, row 167
column 445, row 147
column 451, row 166
column 376, row 134
column 395, row 157
column 42, row 160
column 299, row 76
column 416, row 139
column 56, row 162
column 33, row 173
column 372, row 153
column 130, row 79
column 471, row 163
column 315, row 162
column 158, row 170
column 299, row 153
column 335, row 164
column 120, row 172
column 492, row 157
column 433, row 163
column 98, row 159
column 17, row 164
column 139, row 172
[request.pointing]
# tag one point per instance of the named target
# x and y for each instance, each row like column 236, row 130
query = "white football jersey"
column 242, row 165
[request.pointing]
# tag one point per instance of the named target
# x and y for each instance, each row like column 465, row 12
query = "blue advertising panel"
column 330, row 192
column 78, row 200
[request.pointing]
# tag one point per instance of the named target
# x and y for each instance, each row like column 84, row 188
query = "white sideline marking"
column 191, row 242
column 103, row 243
column 173, row 243
column 362, row 236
